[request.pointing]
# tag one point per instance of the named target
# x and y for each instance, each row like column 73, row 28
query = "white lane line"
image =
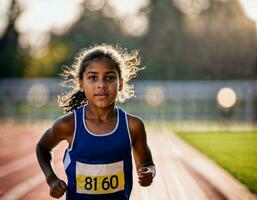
column 21, row 189
column 219, row 178
column 17, row 165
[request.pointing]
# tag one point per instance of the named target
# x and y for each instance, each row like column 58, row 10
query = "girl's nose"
column 101, row 84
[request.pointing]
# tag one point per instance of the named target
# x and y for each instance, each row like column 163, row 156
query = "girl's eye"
column 109, row 78
column 92, row 77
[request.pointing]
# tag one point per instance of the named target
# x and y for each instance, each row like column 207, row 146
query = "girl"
column 98, row 161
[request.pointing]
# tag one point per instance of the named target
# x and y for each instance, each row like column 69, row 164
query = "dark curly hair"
column 127, row 64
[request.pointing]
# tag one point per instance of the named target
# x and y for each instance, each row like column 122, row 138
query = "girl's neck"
column 101, row 114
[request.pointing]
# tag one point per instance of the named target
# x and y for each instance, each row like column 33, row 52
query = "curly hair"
column 126, row 63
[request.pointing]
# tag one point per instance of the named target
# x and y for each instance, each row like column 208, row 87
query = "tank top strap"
column 122, row 116
column 80, row 128
column 78, row 115
column 123, row 123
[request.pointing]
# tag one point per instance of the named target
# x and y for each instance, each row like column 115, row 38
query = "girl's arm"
column 142, row 154
column 62, row 129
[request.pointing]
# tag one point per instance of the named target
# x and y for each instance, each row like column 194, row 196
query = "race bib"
column 99, row 178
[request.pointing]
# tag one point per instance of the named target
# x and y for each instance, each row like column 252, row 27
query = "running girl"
column 98, row 161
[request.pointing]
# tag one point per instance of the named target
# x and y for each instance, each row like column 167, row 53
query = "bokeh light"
column 132, row 20
column 135, row 25
column 38, row 95
column 127, row 7
column 94, row 5
column 41, row 17
column 37, row 39
column 250, row 9
column 192, row 7
column 155, row 96
column 3, row 15
column 226, row 97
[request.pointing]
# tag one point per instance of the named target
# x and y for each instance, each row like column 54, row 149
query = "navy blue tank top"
column 99, row 167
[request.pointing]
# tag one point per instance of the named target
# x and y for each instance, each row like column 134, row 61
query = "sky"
column 45, row 15
column 41, row 16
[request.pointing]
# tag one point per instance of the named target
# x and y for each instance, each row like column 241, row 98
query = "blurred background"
column 200, row 56
column 200, row 81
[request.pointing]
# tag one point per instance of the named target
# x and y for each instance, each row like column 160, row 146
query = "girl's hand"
column 57, row 188
column 146, row 175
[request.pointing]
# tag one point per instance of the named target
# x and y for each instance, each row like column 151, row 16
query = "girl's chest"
column 101, row 128
column 94, row 147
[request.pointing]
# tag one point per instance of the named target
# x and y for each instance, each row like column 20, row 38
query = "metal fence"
column 195, row 101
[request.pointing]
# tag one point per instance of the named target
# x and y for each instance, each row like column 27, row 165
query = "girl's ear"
column 121, row 84
column 81, row 86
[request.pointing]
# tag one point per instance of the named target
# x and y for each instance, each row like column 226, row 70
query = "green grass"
column 234, row 151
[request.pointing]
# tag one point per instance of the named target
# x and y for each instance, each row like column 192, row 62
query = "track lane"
column 182, row 172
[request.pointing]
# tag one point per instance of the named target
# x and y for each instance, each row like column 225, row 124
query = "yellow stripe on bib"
column 87, row 184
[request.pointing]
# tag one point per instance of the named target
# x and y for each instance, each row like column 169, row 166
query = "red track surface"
column 18, row 163
column 182, row 172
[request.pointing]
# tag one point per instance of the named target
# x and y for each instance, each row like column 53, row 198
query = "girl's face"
column 100, row 83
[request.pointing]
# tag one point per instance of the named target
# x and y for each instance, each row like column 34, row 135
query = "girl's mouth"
column 101, row 96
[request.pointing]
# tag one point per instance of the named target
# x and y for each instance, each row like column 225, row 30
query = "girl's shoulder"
column 136, row 129
column 135, row 123
column 64, row 125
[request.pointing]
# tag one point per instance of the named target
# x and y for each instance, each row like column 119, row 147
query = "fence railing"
column 35, row 99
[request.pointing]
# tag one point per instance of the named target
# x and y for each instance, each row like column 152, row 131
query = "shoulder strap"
column 123, row 123
column 78, row 118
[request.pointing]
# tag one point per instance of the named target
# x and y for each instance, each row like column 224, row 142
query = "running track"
column 182, row 172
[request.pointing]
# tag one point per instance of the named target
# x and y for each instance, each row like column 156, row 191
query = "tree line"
column 220, row 43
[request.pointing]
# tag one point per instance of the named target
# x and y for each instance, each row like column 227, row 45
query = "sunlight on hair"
column 38, row 95
column 127, row 63
column 192, row 7
column 136, row 25
column 250, row 9
column 154, row 96
column 226, row 97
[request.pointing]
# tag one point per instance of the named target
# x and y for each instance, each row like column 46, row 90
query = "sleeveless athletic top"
column 99, row 167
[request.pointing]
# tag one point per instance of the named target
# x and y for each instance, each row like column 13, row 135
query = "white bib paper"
column 99, row 178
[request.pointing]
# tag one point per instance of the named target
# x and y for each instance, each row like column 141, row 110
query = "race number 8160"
column 100, row 184
column 107, row 182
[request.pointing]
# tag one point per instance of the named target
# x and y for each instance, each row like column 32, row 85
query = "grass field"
column 234, row 151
